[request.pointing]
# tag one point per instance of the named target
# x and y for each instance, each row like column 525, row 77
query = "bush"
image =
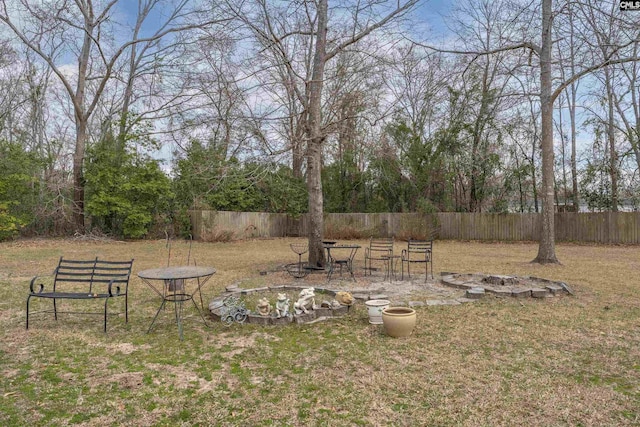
column 9, row 224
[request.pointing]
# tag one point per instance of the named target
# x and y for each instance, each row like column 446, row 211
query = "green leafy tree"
column 343, row 185
column 281, row 191
column 18, row 188
column 126, row 191
column 205, row 180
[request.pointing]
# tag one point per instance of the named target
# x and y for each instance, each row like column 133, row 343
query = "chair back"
column 382, row 245
column 419, row 247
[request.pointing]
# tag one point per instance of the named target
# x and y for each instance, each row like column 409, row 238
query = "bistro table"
column 177, row 285
column 347, row 261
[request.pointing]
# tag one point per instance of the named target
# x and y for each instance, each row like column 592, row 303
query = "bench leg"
column 55, row 310
column 28, row 298
column 126, row 307
column 106, row 300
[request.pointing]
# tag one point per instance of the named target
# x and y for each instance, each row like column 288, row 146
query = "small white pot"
column 374, row 308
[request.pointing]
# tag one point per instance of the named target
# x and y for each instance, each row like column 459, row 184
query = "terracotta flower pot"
column 374, row 309
column 398, row 321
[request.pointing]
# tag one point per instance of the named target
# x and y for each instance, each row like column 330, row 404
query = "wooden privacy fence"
column 600, row 227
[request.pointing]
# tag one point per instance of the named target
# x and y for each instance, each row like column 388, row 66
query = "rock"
column 340, row 311
column 305, row 318
column 554, row 289
column 258, row 320
column 567, row 288
column 416, row 303
column 442, row 302
column 521, row 293
column 501, row 292
column 539, row 293
column 361, row 297
column 324, row 312
column 475, row 293
column 285, row 320
column 216, row 304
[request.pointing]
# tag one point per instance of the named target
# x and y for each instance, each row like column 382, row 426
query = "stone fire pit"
column 477, row 285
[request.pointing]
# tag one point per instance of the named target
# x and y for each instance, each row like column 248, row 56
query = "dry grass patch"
column 557, row 361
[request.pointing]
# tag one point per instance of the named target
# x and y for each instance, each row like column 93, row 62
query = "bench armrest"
column 110, row 290
column 33, row 284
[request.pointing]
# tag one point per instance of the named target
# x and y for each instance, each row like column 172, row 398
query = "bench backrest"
column 92, row 272
column 419, row 248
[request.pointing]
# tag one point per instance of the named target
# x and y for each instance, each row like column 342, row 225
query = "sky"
column 431, row 11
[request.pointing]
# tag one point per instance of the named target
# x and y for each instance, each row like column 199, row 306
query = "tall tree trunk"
column 81, row 122
column 611, row 138
column 316, row 138
column 572, row 116
column 546, row 248
column 78, row 175
column 574, row 164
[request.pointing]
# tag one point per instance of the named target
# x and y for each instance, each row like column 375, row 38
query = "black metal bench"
column 84, row 280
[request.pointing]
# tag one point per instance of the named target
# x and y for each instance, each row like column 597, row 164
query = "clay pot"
column 374, row 309
column 398, row 321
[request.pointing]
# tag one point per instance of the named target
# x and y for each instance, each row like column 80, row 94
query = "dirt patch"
column 127, row 348
column 242, row 342
column 127, row 380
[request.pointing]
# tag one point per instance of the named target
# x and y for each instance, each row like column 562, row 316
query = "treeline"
column 129, row 195
column 253, row 107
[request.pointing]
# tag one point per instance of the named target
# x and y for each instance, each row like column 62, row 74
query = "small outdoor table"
column 172, row 284
column 347, row 262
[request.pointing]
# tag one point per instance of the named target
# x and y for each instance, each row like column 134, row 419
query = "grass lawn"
column 559, row 361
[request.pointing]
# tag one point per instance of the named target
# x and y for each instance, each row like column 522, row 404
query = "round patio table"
column 177, row 285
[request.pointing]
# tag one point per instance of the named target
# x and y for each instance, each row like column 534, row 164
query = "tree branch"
column 357, row 37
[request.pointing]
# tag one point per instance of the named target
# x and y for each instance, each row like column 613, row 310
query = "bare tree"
column 82, row 29
column 548, row 94
column 360, row 19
